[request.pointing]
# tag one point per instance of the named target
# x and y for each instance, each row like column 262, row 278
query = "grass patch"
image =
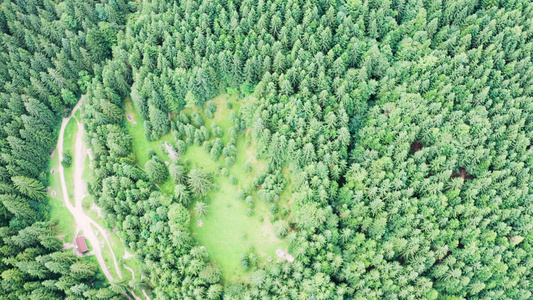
column 65, row 224
column 227, row 231
column 106, row 254
column 135, row 266
column 77, row 115
column 68, row 147
column 116, row 245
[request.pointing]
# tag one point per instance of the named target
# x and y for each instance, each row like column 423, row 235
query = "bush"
column 281, row 228
column 230, row 161
column 249, row 201
column 211, row 274
column 181, row 146
column 178, row 173
column 247, row 167
column 157, row 171
column 67, row 160
column 209, row 114
column 211, row 107
column 229, row 105
column 245, row 263
column 224, row 172
column 197, row 120
column 233, row 180
column 273, row 208
column 241, row 195
column 250, row 212
column 207, row 146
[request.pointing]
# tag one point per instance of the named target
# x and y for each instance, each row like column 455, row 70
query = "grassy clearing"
column 77, row 115
column 68, row 147
column 142, row 145
column 221, row 115
column 65, row 225
column 227, row 231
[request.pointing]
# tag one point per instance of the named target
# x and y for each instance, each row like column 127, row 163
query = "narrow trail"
column 84, row 222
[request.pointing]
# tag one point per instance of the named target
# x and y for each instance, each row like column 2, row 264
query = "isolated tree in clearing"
column 199, row 182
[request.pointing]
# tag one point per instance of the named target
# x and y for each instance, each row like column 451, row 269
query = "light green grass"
column 106, row 254
column 77, row 115
column 65, row 225
column 226, row 222
column 69, row 140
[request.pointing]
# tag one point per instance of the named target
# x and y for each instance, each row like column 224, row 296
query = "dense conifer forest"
column 388, row 144
column 49, row 51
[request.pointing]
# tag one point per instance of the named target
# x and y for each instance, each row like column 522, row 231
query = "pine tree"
column 29, row 187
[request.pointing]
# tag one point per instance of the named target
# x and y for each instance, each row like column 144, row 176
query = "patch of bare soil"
column 127, row 255
column 463, row 174
column 98, row 210
column 416, row 146
column 67, row 246
column 284, row 255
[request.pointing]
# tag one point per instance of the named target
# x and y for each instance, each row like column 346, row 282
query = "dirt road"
column 83, row 222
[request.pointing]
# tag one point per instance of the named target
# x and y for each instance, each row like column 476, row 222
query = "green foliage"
column 200, row 208
column 181, row 194
column 374, row 109
column 280, row 228
column 247, row 167
column 199, row 182
column 156, row 170
column 45, row 65
column 29, row 187
column 67, row 160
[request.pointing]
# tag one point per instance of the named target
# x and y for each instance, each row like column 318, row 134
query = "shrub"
column 67, row 160
column 247, row 167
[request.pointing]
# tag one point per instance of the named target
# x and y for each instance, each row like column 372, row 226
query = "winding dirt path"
column 84, row 222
